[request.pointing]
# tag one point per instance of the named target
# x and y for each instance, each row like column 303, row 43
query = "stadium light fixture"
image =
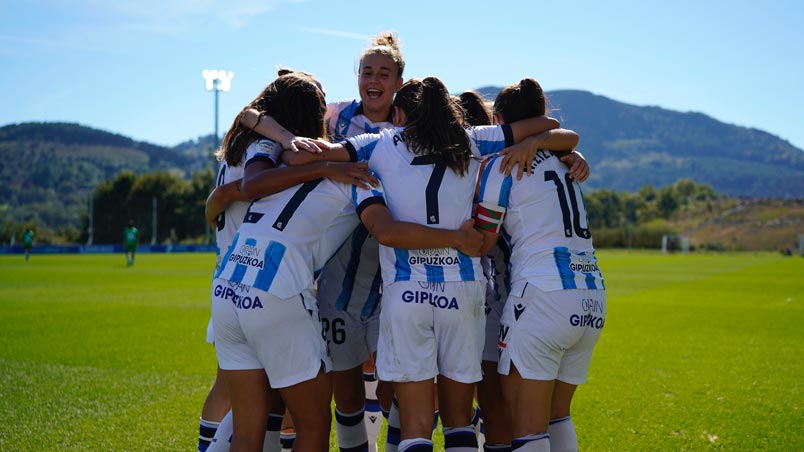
column 217, row 81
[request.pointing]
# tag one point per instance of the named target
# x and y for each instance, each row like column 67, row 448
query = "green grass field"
column 699, row 352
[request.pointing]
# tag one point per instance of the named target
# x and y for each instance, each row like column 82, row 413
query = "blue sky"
column 134, row 67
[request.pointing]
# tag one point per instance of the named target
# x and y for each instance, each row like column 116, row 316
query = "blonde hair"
column 387, row 44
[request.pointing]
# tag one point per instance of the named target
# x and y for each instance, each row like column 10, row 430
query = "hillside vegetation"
column 631, row 146
column 51, row 170
column 709, row 220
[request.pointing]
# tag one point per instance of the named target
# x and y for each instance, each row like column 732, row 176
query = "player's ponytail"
column 434, row 123
column 474, row 108
column 522, row 100
column 293, row 100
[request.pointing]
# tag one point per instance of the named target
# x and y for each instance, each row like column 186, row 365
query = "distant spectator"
column 27, row 242
column 130, row 238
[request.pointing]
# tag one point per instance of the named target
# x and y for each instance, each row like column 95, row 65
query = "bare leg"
column 249, row 394
column 562, row 399
column 309, row 404
column 349, row 389
column 496, row 419
column 455, row 402
column 217, row 403
column 528, row 402
column 415, row 408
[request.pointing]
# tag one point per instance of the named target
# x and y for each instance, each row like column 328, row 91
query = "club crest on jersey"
column 438, row 301
column 240, row 301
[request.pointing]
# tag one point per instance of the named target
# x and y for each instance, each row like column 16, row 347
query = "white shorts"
column 256, row 330
column 210, row 332
column 350, row 338
column 551, row 335
column 427, row 329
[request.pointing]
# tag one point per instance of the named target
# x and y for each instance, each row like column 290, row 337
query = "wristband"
column 489, row 217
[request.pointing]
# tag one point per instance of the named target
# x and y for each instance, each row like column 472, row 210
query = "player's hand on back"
column 312, row 145
column 469, row 239
column 577, row 164
column 350, row 173
column 518, row 159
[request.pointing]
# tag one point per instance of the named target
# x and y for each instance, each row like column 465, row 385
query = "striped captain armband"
column 489, row 217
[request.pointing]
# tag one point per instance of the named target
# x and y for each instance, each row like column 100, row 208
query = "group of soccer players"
column 380, row 214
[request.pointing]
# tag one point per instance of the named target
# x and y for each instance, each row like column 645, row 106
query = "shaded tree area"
column 620, row 219
column 179, row 207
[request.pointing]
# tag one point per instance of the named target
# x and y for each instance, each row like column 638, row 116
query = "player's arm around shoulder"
column 220, row 198
column 404, row 235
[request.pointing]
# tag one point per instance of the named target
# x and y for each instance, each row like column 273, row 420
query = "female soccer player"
column 349, row 285
column 557, row 304
column 226, row 207
column 496, row 423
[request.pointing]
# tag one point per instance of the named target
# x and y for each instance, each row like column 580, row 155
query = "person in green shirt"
column 130, row 237
column 27, row 242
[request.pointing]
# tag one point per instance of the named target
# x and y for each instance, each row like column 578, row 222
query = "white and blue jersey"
column 545, row 225
column 420, row 189
column 351, row 281
column 285, row 237
column 229, row 221
column 345, row 119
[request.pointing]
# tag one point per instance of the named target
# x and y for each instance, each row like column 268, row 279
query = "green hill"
column 50, row 169
column 630, row 146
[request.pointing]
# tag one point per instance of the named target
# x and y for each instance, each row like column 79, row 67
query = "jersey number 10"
column 572, row 221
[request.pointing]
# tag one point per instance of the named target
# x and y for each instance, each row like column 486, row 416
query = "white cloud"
column 48, row 43
column 177, row 16
column 338, row 33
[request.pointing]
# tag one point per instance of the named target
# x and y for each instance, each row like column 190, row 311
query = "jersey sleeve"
column 263, row 150
column 494, row 188
column 362, row 146
column 488, row 140
column 338, row 117
column 362, row 198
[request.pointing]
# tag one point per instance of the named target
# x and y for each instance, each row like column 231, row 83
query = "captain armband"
column 489, row 217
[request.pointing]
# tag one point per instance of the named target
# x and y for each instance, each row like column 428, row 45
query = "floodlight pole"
column 153, row 220
column 217, row 81
column 217, row 85
column 14, row 207
column 90, row 226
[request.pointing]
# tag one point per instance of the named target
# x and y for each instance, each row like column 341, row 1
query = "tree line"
column 640, row 219
column 179, row 207
column 617, row 219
